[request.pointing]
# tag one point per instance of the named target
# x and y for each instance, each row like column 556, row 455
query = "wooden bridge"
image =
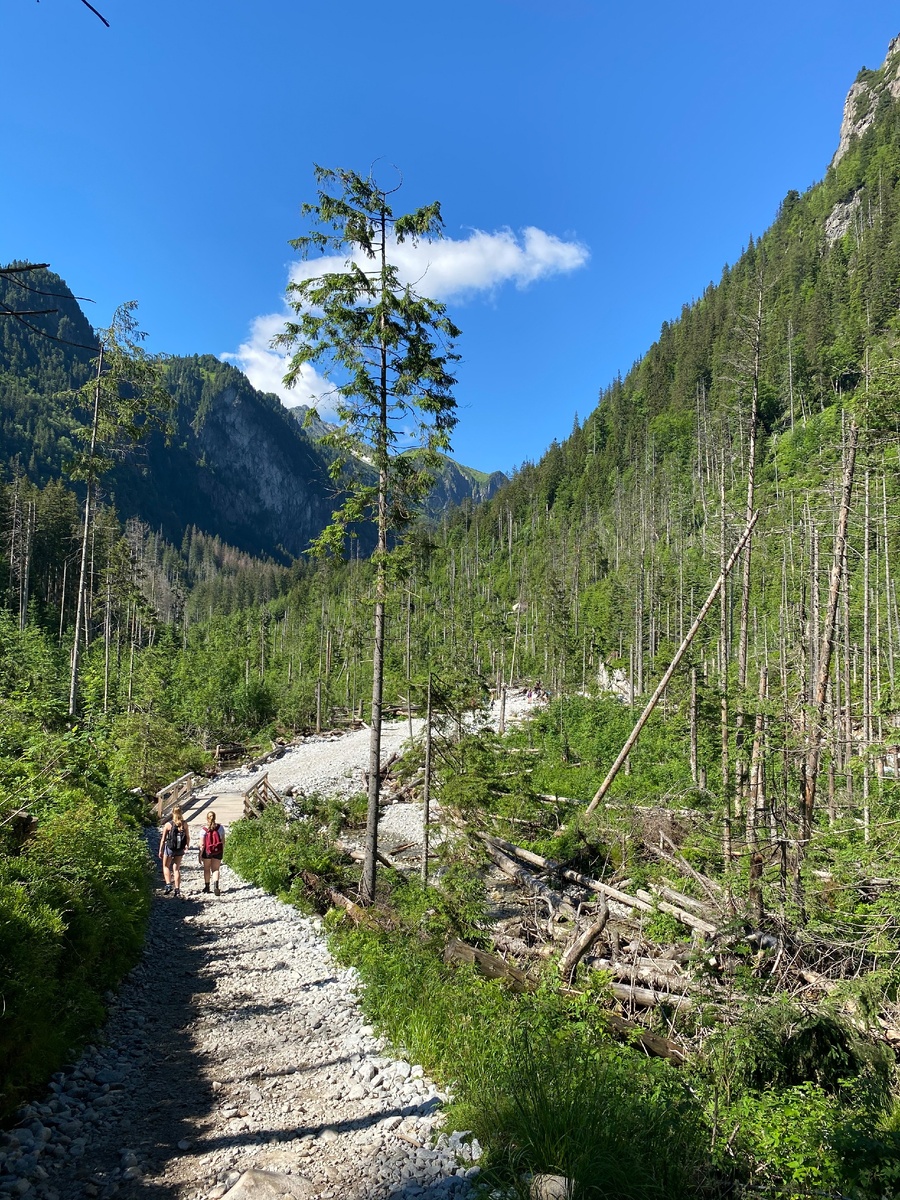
column 228, row 806
column 260, row 796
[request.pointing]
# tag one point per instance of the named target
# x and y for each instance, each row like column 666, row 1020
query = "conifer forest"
column 671, row 960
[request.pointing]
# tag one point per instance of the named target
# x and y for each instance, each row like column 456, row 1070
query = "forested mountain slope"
column 609, row 543
column 237, row 465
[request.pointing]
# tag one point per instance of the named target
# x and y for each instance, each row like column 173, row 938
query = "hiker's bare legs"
column 176, row 872
column 166, row 865
column 207, row 870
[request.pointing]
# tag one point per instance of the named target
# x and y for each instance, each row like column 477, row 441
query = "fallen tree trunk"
column 691, row 903
column 814, row 979
column 647, row 997
column 491, row 965
column 645, row 971
column 680, row 914
column 714, row 890
column 643, row 901
column 646, row 810
column 529, row 882
column 356, row 912
column 547, row 864
column 654, row 1044
column 269, row 756
column 519, row 947
column 360, row 855
column 577, row 949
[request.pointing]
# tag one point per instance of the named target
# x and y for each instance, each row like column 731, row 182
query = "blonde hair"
column 210, row 819
column 177, row 815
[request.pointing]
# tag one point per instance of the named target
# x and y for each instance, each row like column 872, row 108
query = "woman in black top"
column 174, row 840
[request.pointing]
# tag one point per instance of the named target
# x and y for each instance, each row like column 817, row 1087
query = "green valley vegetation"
column 760, row 801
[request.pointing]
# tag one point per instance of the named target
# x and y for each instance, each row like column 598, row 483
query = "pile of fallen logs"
column 584, row 920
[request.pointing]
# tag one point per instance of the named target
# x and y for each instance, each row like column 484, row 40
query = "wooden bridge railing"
column 176, row 792
column 259, row 796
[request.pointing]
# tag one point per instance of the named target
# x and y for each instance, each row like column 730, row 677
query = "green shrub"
column 73, row 907
column 597, row 1114
column 290, row 859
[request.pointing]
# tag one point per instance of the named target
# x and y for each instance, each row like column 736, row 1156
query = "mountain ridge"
column 454, row 483
column 239, row 465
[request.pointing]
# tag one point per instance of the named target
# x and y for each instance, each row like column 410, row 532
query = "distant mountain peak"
column 311, row 422
column 861, row 104
column 453, row 483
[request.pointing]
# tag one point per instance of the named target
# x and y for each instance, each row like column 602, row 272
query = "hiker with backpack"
column 212, row 847
column 174, row 840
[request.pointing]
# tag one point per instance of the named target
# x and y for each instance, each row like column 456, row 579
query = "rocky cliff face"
column 239, row 466
column 455, row 484
column 862, row 99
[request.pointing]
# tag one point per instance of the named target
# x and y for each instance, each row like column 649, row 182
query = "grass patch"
column 767, row 1112
column 535, row 1077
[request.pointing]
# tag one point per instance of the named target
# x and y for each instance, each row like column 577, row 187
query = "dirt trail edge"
column 236, row 1045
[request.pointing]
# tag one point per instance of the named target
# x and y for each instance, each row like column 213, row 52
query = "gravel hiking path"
column 236, row 1045
column 324, row 765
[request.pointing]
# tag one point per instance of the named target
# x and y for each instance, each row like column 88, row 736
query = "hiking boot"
column 167, row 890
column 217, row 888
column 178, row 893
column 206, row 888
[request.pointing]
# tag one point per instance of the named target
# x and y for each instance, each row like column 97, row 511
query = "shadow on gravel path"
column 236, row 1043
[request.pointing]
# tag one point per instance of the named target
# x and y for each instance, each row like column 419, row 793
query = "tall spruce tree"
column 386, row 351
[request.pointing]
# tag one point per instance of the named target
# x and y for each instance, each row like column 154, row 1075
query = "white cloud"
column 265, row 367
column 451, row 268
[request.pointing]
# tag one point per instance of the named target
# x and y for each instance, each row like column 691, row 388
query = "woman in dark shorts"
column 174, row 840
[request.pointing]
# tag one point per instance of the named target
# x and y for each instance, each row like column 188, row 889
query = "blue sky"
column 165, row 159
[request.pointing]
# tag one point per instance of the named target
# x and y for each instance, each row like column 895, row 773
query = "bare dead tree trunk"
column 62, row 599
column 409, row 716
column 740, row 782
column 694, row 724
column 756, row 798
column 867, row 658
column 25, row 584
column 888, row 587
column 107, row 637
column 82, row 575
column 810, row 767
column 723, row 678
column 670, row 670
column 426, row 786
column 367, row 883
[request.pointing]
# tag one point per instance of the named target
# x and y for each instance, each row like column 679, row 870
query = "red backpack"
column 213, row 842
